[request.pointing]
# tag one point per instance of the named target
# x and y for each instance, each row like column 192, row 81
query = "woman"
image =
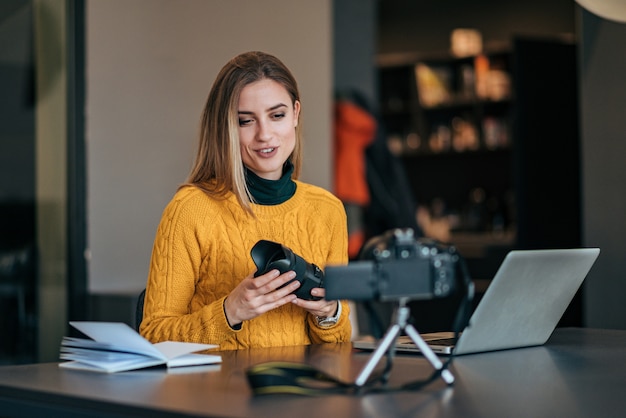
column 243, row 188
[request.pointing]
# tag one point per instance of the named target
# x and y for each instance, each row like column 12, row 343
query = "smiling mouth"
column 266, row 150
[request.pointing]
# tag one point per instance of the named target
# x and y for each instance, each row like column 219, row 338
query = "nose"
column 264, row 132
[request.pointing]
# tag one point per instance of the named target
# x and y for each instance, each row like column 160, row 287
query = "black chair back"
column 139, row 309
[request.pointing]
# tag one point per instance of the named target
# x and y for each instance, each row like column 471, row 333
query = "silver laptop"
column 521, row 307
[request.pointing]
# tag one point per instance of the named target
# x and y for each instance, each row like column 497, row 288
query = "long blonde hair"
column 218, row 167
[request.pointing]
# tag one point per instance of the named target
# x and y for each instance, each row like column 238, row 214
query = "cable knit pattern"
column 202, row 251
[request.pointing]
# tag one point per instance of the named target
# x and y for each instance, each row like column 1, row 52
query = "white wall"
column 150, row 65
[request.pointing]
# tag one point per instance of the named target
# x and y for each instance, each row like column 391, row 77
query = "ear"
column 296, row 112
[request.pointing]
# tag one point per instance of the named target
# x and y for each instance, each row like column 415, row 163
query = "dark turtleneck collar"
column 271, row 192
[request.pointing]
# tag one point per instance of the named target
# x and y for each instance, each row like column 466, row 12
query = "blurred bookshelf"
column 490, row 141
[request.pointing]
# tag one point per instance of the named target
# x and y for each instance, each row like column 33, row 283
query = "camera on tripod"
column 395, row 266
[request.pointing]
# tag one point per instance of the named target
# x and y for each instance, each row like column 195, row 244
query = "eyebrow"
column 246, row 112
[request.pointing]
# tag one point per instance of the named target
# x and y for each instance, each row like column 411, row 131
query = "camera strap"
column 294, row 378
column 273, row 378
column 464, row 311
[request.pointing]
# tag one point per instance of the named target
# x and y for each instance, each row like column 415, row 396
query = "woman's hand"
column 256, row 295
column 322, row 308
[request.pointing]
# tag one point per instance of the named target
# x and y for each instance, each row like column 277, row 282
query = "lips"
column 267, row 152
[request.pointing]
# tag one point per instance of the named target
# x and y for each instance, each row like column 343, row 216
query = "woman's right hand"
column 256, row 295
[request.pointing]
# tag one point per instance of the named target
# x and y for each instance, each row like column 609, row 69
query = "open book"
column 116, row 347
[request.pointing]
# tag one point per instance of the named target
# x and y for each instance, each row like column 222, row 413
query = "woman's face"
column 267, row 127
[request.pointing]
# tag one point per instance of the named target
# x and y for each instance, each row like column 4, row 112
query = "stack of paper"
column 116, row 347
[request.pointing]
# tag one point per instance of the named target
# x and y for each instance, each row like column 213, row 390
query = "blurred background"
column 490, row 126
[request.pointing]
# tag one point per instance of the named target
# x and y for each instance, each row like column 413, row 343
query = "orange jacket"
column 355, row 129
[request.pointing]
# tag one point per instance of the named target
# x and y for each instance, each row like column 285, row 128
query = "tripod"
column 400, row 323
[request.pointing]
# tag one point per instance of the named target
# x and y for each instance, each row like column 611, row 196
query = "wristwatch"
column 329, row 321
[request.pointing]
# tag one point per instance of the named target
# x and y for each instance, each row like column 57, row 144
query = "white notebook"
column 116, row 347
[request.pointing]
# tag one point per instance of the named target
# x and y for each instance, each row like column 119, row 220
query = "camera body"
column 269, row 255
column 396, row 266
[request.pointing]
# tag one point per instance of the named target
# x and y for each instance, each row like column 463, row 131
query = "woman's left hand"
column 322, row 308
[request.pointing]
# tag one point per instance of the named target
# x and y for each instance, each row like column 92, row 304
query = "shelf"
column 397, row 59
column 517, row 130
column 478, row 155
column 463, row 102
column 512, row 128
column 441, row 104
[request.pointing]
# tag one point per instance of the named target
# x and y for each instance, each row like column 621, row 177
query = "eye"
column 279, row 115
column 244, row 122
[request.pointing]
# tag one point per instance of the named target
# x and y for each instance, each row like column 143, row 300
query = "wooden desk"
column 579, row 373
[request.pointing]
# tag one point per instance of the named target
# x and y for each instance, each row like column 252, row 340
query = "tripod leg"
column 446, row 375
column 387, row 341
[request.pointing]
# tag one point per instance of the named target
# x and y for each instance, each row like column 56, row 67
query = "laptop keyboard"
column 442, row 341
column 449, row 342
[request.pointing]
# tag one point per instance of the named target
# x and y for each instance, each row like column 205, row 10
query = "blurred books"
column 433, row 84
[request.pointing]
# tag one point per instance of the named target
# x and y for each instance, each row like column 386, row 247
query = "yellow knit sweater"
column 202, row 251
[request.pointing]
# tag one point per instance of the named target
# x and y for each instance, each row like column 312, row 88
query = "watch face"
column 329, row 322
column 326, row 322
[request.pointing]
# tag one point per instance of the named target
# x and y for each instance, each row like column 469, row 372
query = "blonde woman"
column 244, row 188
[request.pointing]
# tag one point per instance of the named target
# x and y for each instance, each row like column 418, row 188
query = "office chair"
column 139, row 309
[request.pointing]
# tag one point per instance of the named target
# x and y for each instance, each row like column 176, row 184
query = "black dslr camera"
column 268, row 255
column 396, row 266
